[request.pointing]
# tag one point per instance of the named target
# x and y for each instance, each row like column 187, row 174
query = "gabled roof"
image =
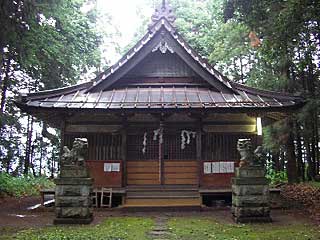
column 163, row 37
column 102, row 94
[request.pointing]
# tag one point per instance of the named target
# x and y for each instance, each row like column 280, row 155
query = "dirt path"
column 14, row 214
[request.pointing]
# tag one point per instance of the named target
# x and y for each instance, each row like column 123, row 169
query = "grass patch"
column 23, row 185
column 115, row 228
column 204, row 228
column 7, row 232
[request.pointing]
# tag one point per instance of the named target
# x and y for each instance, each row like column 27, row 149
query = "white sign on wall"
column 218, row 167
column 111, row 167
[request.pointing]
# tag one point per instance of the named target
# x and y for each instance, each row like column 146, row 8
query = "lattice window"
column 171, row 148
column 223, row 146
column 135, row 146
column 173, row 151
column 101, row 146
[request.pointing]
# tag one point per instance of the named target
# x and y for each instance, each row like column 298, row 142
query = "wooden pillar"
column 124, row 152
column 161, row 163
column 62, row 140
column 199, row 150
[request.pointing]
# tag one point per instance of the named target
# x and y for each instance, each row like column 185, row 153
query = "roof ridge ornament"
column 163, row 11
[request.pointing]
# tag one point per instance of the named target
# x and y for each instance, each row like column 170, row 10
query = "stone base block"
column 72, row 201
column 249, row 172
column 250, row 181
column 73, row 190
column 88, row 220
column 252, row 219
column 73, row 181
column 250, row 201
column 244, row 190
column 250, row 211
column 73, row 212
column 74, row 172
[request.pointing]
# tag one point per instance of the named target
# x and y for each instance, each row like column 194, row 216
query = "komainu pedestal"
column 73, row 188
column 250, row 190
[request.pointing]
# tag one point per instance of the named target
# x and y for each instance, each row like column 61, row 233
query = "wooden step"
column 163, row 193
column 163, row 188
column 163, row 202
column 160, row 197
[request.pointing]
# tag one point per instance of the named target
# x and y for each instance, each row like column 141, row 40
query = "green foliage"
column 43, row 45
column 23, row 185
column 224, row 44
column 277, row 177
column 201, row 228
column 130, row 228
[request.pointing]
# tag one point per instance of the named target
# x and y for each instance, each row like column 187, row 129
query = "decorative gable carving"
column 163, row 47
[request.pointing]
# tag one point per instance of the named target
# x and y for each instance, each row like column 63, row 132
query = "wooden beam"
column 92, row 128
column 230, row 128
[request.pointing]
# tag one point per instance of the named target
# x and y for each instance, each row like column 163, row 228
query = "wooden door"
column 145, row 172
column 142, row 168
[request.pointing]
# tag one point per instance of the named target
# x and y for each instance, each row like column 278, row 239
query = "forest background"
column 267, row 44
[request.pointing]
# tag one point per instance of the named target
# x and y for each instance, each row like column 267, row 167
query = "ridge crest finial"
column 165, row 11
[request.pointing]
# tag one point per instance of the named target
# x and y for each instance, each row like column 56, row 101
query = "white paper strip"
column 115, row 167
column 230, row 168
column 215, row 167
column 223, row 167
column 107, row 167
column 207, row 167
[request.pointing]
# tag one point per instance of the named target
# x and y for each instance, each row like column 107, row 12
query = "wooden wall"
column 216, row 180
column 102, row 178
column 221, row 147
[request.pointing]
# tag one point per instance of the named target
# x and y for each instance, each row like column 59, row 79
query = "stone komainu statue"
column 248, row 156
column 77, row 154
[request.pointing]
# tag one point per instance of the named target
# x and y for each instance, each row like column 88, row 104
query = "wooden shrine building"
column 162, row 124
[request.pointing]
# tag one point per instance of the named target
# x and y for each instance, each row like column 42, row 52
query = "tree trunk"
column 5, row 84
column 316, row 136
column 300, row 164
column 28, row 145
column 52, row 165
column 282, row 160
column 276, row 161
column 310, row 169
column 41, row 156
column 32, row 161
column 291, row 157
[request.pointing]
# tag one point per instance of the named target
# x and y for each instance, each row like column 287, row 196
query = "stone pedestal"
column 72, row 196
column 250, row 195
